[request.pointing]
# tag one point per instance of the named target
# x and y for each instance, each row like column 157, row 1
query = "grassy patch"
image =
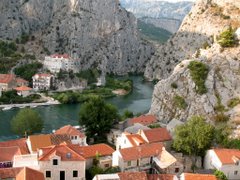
column 199, row 73
column 233, row 102
column 179, row 102
column 227, row 38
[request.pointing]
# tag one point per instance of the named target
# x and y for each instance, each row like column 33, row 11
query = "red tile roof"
column 132, row 176
column 29, row 174
column 226, row 156
column 6, row 78
column 21, row 143
column 21, row 80
column 157, row 135
column 7, row 153
column 91, row 150
column 135, row 139
column 146, row 150
column 66, row 56
column 160, row 177
column 23, row 88
column 190, row 176
column 69, row 130
column 144, row 120
column 9, row 172
column 63, row 151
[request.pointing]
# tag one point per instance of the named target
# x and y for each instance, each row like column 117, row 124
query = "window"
column 235, row 172
column 55, row 162
column 176, row 170
column 106, row 165
column 237, row 163
column 129, row 163
column 75, row 137
column 48, row 174
column 75, row 173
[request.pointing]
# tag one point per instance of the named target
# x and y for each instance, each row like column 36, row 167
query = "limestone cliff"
column 206, row 20
column 203, row 24
column 100, row 32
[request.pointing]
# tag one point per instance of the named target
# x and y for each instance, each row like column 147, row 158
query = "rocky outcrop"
column 204, row 22
column 221, row 101
column 101, row 33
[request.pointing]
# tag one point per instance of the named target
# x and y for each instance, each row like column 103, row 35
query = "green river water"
column 139, row 100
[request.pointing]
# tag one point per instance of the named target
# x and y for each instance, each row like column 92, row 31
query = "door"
column 62, row 175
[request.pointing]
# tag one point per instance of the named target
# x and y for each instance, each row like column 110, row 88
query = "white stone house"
column 143, row 158
column 23, row 91
column 57, row 62
column 75, row 135
column 61, row 162
column 42, row 82
column 225, row 160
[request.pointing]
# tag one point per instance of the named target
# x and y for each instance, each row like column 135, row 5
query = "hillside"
column 199, row 67
column 106, row 40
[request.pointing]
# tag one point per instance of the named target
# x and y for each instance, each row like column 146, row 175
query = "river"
column 139, row 100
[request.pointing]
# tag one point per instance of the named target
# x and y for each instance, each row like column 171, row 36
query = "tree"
column 194, row 137
column 220, row 175
column 27, row 121
column 226, row 38
column 97, row 117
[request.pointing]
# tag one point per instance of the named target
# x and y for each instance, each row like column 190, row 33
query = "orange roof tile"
column 6, row 78
column 135, row 139
column 91, row 150
column 69, row 130
column 29, row 174
column 7, row 153
column 157, row 135
column 226, row 156
column 21, row 143
column 144, row 120
column 45, row 140
column 160, row 177
column 21, row 80
column 132, row 176
column 66, row 56
column 146, row 150
column 9, row 172
column 190, row 176
column 62, row 150
column 23, row 88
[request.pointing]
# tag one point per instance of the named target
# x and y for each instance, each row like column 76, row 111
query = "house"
column 23, row 91
column 157, row 135
column 127, row 140
column 34, row 142
column 20, row 143
column 225, row 160
column 143, row 158
column 161, row 177
column 61, row 162
column 122, row 176
column 145, row 120
column 23, row 173
column 21, row 82
column 190, row 176
column 113, row 135
column 102, row 151
column 7, row 82
column 57, row 62
column 75, row 135
column 42, row 82
column 7, row 155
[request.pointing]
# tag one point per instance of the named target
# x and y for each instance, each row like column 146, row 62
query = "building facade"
column 42, row 82
column 57, row 62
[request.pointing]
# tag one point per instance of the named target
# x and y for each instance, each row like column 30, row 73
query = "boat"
column 33, row 106
column 22, row 107
column 7, row 108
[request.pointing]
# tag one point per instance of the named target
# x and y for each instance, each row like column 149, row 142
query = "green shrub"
column 199, row 73
column 152, row 126
column 221, row 117
column 220, row 175
column 174, row 85
column 226, row 38
column 179, row 102
column 233, row 102
column 90, row 75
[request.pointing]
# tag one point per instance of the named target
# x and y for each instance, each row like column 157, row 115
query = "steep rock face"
column 206, row 20
column 222, row 82
column 100, row 32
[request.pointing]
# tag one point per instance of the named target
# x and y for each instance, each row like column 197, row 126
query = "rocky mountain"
column 101, row 33
column 198, row 76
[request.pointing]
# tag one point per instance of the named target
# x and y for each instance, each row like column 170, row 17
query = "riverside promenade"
column 10, row 106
